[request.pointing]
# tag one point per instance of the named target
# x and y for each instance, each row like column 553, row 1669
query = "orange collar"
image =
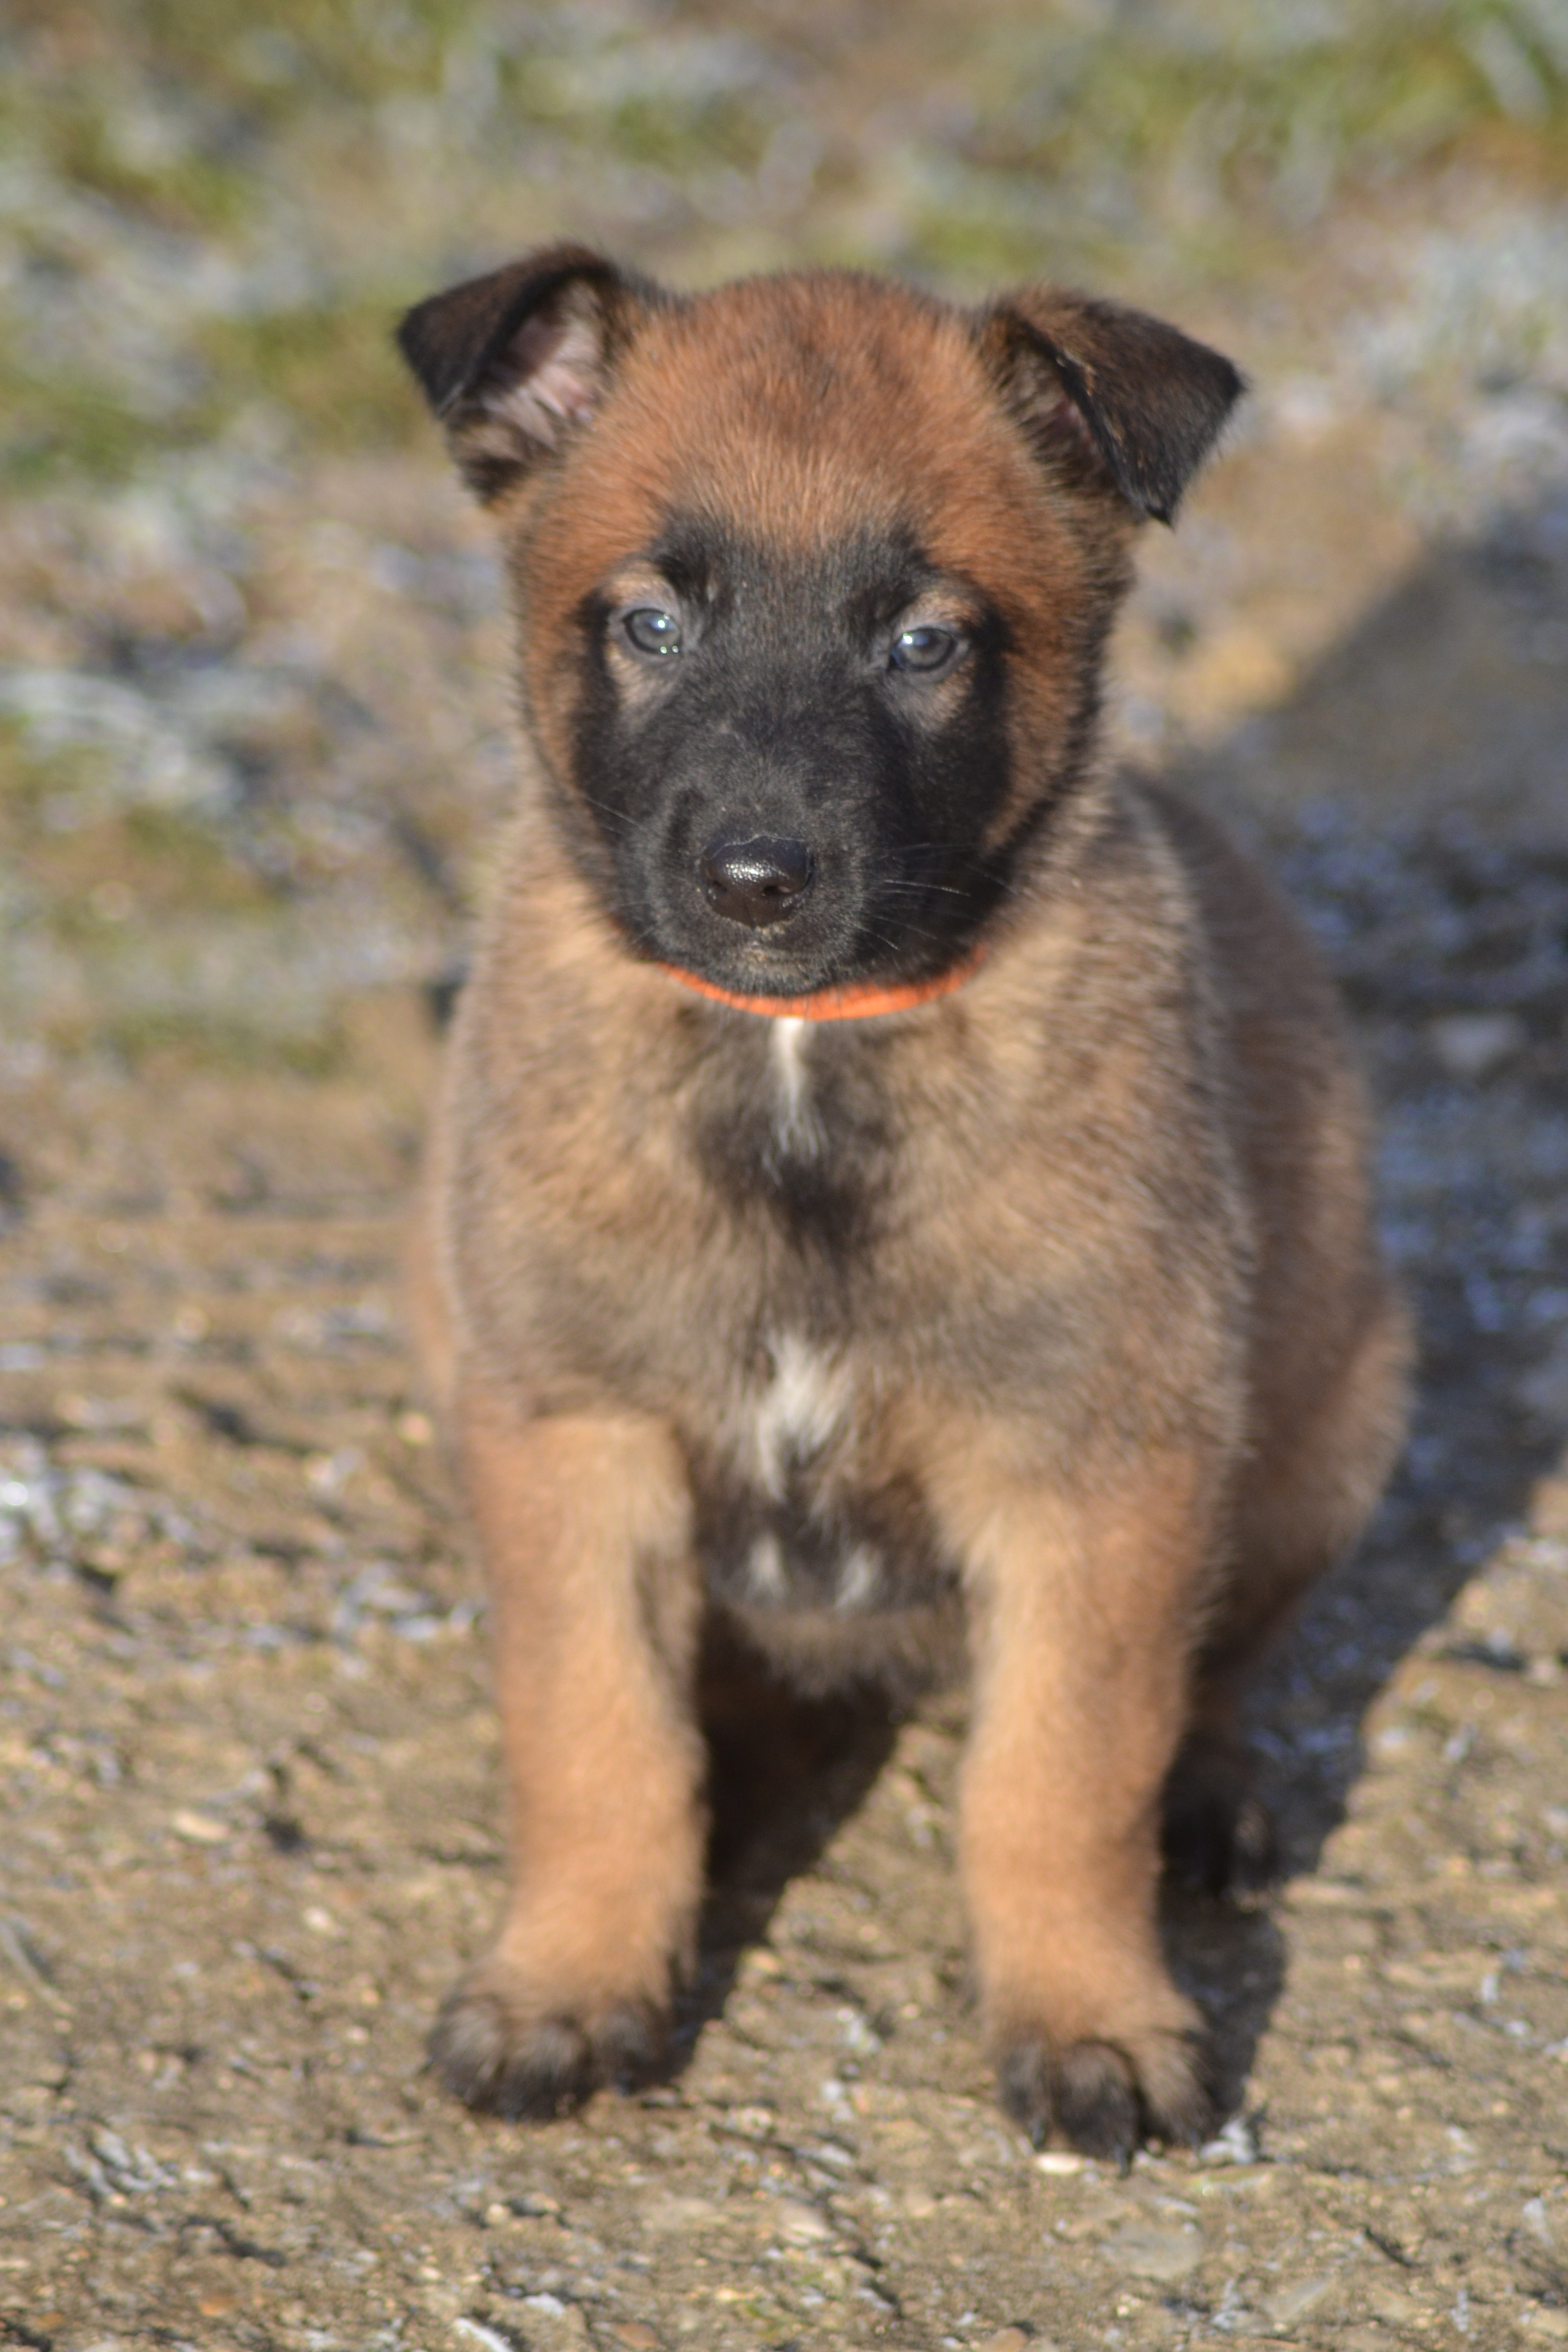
column 853, row 1003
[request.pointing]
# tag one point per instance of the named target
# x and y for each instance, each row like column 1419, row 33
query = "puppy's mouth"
column 772, row 945
column 751, row 909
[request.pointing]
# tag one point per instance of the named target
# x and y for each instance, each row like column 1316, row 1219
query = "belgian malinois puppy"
column 901, row 1196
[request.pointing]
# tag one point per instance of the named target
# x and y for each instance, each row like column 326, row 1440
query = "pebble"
column 1471, row 1045
column 535, row 2205
column 1148, row 2251
column 1544, row 1390
column 755, row 2122
column 1549, row 1508
column 636, row 2336
column 199, row 1829
column 679, row 2212
column 1287, row 2303
column 554, row 2325
column 803, row 2221
column 1236, row 2144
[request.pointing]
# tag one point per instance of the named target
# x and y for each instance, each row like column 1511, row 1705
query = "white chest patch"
column 859, row 1578
column 857, row 1584
column 793, row 1123
column 803, row 1406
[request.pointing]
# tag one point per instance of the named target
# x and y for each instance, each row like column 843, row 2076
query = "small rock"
column 554, row 2325
column 199, row 1829
column 1287, row 2303
column 635, row 2335
column 803, row 2223
column 1396, row 2308
column 1148, row 2251
column 755, row 2122
column 673, row 2213
column 1549, row 1507
column 1236, row 2144
column 1471, row 1045
column 1544, row 1391
column 1009, row 2340
column 474, row 2331
column 534, row 2205
column 1059, row 2161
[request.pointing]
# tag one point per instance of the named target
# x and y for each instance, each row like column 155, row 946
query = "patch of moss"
column 59, row 422
column 1270, row 103
column 267, row 62
column 331, row 367
column 180, row 182
column 171, row 1041
column 97, row 868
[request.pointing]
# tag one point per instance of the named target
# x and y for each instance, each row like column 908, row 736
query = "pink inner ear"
column 551, row 378
column 1066, row 421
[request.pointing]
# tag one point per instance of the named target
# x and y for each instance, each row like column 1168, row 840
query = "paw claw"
column 1097, row 2101
column 1105, row 2099
column 506, row 2056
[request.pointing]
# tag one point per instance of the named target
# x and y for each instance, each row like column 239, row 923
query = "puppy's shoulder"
column 1260, row 956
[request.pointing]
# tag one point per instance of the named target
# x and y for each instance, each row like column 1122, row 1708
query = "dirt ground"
column 250, row 1763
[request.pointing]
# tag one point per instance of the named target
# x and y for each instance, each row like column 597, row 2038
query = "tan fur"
column 1137, row 1129
column 587, row 1527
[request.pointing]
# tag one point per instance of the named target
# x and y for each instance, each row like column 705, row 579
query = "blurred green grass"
column 209, row 207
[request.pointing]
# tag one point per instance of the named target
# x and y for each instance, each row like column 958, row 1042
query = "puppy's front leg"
column 584, row 1525
column 1083, row 1613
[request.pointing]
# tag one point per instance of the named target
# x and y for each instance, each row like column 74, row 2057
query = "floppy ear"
column 1103, row 390
column 514, row 363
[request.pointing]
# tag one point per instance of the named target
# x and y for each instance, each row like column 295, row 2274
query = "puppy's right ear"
column 515, row 363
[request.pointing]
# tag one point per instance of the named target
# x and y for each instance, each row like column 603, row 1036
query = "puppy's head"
column 813, row 575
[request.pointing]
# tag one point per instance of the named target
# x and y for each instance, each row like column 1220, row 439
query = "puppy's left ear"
column 1106, row 392
column 515, row 363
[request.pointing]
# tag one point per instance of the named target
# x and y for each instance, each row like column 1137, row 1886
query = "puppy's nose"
column 755, row 882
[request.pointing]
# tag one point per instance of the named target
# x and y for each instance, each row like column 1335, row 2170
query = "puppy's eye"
column 925, row 650
column 651, row 631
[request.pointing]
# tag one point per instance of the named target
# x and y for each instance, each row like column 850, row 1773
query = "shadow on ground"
column 1414, row 791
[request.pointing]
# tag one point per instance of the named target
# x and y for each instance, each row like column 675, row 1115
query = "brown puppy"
column 900, row 1192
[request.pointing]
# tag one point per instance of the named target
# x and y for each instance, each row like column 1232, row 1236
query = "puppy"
column 901, row 1196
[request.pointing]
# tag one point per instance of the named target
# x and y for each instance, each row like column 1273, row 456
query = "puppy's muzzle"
column 755, row 882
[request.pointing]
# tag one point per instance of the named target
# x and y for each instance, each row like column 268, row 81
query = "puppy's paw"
column 1107, row 2097
column 1217, row 1836
column 503, row 2048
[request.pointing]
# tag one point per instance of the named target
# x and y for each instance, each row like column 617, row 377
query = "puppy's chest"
column 804, row 1498
column 800, row 1128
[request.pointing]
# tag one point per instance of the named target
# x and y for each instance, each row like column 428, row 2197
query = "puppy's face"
column 794, row 753
column 812, row 577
